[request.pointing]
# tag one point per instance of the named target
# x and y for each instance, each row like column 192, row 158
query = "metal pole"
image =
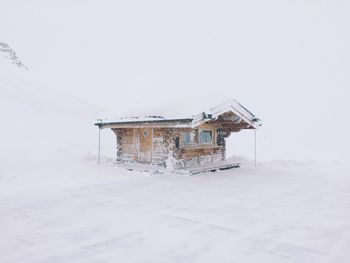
column 255, row 147
column 99, row 145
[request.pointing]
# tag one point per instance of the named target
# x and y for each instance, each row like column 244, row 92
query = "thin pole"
column 255, row 147
column 99, row 145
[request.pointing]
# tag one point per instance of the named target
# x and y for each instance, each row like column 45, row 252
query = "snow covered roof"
column 189, row 121
column 182, row 122
column 228, row 106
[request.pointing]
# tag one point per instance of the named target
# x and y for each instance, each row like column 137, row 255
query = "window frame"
column 211, row 135
column 185, row 135
column 191, row 141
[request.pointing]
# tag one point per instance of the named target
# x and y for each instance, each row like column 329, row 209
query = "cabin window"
column 205, row 137
column 177, row 142
column 220, row 139
column 186, row 139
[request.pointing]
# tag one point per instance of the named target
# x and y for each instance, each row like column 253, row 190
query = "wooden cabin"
column 179, row 142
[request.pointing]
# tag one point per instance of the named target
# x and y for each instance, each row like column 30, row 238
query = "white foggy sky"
column 286, row 61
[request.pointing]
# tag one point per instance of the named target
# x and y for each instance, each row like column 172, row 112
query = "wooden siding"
column 161, row 145
column 125, row 144
column 156, row 145
column 145, row 145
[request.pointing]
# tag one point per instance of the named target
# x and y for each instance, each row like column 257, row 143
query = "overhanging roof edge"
column 101, row 124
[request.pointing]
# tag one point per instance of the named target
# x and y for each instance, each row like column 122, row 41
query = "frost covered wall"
column 156, row 145
column 162, row 145
column 125, row 144
column 196, row 153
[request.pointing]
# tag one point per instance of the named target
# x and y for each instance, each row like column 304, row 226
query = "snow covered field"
column 277, row 212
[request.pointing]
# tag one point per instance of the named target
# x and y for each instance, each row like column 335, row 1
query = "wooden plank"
column 145, row 144
column 136, row 144
column 214, row 168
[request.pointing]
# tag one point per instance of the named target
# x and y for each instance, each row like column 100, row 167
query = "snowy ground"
column 277, row 212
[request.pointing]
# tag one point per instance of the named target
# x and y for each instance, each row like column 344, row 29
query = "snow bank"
column 278, row 212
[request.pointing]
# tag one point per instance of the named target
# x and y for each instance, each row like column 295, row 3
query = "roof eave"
column 171, row 123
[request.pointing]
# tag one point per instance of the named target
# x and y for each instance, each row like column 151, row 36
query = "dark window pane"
column 177, row 143
column 220, row 137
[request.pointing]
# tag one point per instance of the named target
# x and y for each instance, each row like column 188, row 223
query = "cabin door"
column 144, row 145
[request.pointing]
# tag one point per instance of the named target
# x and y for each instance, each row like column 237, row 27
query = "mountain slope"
column 7, row 53
column 39, row 123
